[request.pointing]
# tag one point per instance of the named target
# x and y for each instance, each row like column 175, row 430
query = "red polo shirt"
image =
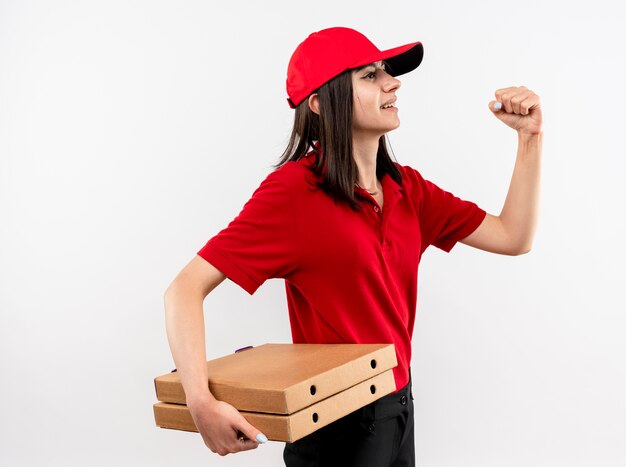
column 350, row 277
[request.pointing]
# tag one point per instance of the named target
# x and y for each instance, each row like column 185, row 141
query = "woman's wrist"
column 529, row 136
column 201, row 397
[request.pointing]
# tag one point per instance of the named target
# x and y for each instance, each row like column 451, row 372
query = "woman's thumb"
column 251, row 432
column 495, row 106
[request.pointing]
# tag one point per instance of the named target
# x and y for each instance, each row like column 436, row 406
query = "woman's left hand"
column 521, row 109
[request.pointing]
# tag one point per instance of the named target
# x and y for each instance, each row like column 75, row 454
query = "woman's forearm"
column 520, row 212
column 184, row 317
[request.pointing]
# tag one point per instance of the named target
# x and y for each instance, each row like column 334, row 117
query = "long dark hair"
column 332, row 128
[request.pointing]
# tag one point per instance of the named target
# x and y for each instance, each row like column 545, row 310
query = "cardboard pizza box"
column 285, row 378
column 290, row 428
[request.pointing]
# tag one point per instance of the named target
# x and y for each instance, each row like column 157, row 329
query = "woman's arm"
column 512, row 232
column 218, row 422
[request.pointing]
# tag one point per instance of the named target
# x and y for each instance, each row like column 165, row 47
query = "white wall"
column 132, row 132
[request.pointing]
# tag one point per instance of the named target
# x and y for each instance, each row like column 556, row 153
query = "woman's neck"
column 365, row 153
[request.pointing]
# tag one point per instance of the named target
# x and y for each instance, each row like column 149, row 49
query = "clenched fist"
column 519, row 108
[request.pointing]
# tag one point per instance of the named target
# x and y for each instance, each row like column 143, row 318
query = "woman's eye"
column 371, row 74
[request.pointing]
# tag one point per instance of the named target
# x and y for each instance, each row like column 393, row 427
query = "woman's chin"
column 397, row 125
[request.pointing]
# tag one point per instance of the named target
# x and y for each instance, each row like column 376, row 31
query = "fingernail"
column 497, row 105
column 261, row 438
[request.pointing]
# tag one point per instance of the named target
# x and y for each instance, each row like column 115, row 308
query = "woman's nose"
column 391, row 83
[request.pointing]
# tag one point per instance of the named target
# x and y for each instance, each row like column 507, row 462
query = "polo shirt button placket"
column 376, row 209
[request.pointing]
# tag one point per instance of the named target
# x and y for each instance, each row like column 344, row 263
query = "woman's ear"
column 314, row 103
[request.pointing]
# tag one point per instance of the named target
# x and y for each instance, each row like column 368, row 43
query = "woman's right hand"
column 223, row 429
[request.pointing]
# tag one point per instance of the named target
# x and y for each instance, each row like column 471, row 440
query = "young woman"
column 346, row 226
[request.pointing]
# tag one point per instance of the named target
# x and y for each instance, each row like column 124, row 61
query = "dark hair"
column 332, row 128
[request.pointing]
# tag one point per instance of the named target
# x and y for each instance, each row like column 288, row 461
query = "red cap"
column 329, row 52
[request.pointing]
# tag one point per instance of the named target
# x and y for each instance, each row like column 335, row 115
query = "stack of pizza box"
column 287, row 391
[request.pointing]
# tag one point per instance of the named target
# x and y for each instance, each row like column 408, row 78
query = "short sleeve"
column 444, row 218
column 261, row 242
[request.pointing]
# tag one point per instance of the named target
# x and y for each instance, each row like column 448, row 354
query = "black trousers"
column 380, row 434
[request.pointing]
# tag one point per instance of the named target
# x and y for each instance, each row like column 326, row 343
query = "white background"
column 132, row 132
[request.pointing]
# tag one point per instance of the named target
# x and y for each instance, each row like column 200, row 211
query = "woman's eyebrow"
column 380, row 64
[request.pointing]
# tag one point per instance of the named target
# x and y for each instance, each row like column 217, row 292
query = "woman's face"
column 374, row 89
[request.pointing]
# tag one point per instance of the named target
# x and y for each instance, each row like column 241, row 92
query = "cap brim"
column 401, row 60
